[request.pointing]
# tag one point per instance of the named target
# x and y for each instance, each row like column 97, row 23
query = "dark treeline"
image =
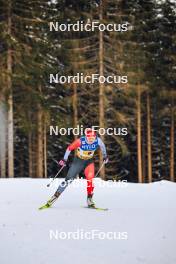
column 30, row 104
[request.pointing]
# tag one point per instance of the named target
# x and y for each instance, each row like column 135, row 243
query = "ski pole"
column 99, row 169
column 55, row 161
column 52, row 157
column 48, row 185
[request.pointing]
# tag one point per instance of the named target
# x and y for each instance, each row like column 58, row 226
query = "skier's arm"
column 72, row 146
column 102, row 147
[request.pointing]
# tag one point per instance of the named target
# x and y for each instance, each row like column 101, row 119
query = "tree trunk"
column 21, row 165
column 139, row 141
column 10, row 101
column 143, row 158
column 172, row 142
column 39, row 143
column 45, row 151
column 3, row 141
column 75, row 106
column 30, row 154
column 101, row 85
column 149, row 144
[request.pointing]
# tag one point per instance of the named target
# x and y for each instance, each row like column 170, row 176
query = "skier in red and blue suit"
column 85, row 148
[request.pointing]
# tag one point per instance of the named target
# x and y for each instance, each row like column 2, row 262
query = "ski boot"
column 90, row 202
column 50, row 201
column 53, row 199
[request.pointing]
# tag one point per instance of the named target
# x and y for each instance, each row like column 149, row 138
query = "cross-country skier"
column 83, row 160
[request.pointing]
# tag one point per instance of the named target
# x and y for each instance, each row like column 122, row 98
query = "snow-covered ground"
column 139, row 227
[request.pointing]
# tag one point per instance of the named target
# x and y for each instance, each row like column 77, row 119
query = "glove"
column 105, row 160
column 62, row 162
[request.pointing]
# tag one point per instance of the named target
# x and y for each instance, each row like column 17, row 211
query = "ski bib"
column 86, row 151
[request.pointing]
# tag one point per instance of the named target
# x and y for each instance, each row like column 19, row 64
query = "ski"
column 49, row 202
column 96, row 208
column 45, row 206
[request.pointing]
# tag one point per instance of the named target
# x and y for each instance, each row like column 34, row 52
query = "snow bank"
column 139, row 226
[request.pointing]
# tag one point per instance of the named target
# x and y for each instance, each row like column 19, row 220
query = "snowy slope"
column 143, row 214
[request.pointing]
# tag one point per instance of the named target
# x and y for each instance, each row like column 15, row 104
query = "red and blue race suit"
column 83, row 161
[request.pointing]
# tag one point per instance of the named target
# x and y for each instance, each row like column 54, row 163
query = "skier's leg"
column 76, row 167
column 90, row 173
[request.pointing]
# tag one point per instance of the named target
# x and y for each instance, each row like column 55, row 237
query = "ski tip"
column 103, row 209
column 44, row 207
column 40, row 208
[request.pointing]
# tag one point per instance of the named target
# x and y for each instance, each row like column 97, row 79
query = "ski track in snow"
column 147, row 212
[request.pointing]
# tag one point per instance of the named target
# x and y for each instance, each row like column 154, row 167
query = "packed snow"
column 139, row 226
